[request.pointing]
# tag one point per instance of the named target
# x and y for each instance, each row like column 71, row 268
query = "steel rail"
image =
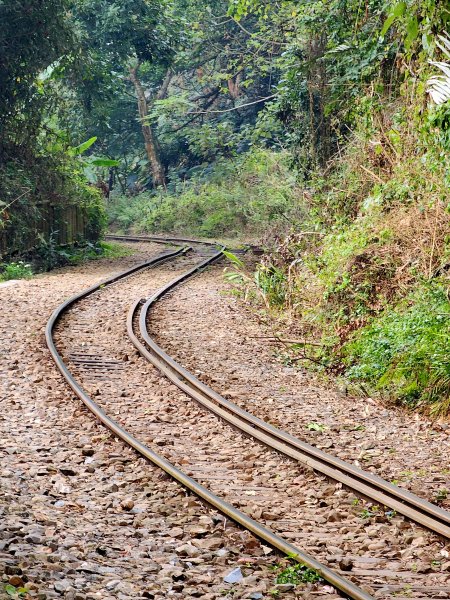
column 367, row 484
column 238, row 516
column 344, row 585
column 158, row 239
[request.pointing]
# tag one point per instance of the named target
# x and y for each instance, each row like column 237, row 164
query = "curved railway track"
column 289, row 447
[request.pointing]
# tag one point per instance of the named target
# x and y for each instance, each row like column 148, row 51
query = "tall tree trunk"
column 162, row 92
column 150, row 139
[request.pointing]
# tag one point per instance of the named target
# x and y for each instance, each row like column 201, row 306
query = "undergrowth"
column 245, row 195
column 49, row 255
column 15, row 270
column 296, row 574
column 365, row 279
column 406, row 350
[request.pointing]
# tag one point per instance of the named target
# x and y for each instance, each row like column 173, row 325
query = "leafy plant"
column 297, row 574
column 53, row 255
column 235, row 260
column 15, row 592
column 437, row 391
column 439, row 85
column 91, row 161
column 442, row 494
column 368, row 513
column 313, row 426
column 16, row 270
column 272, row 283
column 234, row 198
column 406, row 349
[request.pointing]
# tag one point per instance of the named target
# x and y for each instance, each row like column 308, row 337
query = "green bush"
column 50, row 255
column 406, row 349
column 16, row 270
column 273, row 285
column 297, row 574
column 237, row 196
column 94, row 206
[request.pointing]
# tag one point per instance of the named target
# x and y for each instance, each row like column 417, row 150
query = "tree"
column 39, row 179
column 198, row 93
column 31, row 40
column 125, row 39
column 331, row 51
column 152, row 146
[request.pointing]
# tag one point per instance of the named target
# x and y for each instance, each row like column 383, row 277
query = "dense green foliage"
column 30, row 41
column 39, row 175
column 15, row 270
column 406, row 349
column 297, row 574
column 366, row 272
column 250, row 194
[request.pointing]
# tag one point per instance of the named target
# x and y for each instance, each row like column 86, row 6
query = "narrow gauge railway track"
column 374, row 487
column 336, row 579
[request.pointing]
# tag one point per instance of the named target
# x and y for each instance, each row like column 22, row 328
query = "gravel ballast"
column 81, row 516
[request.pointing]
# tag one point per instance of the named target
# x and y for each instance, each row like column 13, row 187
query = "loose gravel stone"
column 100, row 514
column 231, row 355
column 63, row 529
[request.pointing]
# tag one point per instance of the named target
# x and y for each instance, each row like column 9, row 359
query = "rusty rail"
column 364, row 483
column 341, row 583
column 381, row 491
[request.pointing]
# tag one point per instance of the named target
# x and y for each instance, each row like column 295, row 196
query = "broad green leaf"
column 316, row 426
column 399, row 9
column 396, row 12
column 104, row 162
column 84, row 146
column 412, row 30
column 394, row 137
column 233, row 258
column 234, row 277
column 391, row 18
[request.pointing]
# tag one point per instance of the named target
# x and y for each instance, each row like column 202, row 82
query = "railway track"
column 264, row 444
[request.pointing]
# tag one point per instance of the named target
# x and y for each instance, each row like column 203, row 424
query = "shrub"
column 94, row 206
column 16, row 270
column 245, row 195
column 405, row 350
column 49, row 254
column 297, row 574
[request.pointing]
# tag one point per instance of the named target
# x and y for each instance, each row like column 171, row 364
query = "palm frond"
column 445, row 39
column 439, row 85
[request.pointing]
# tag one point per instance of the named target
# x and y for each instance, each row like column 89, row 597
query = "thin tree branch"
column 257, row 37
column 235, row 107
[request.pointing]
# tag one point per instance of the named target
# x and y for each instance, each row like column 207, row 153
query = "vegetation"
column 38, row 173
column 406, row 349
column 321, row 128
column 365, row 275
column 50, row 255
column 248, row 194
column 16, row 270
column 296, row 574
